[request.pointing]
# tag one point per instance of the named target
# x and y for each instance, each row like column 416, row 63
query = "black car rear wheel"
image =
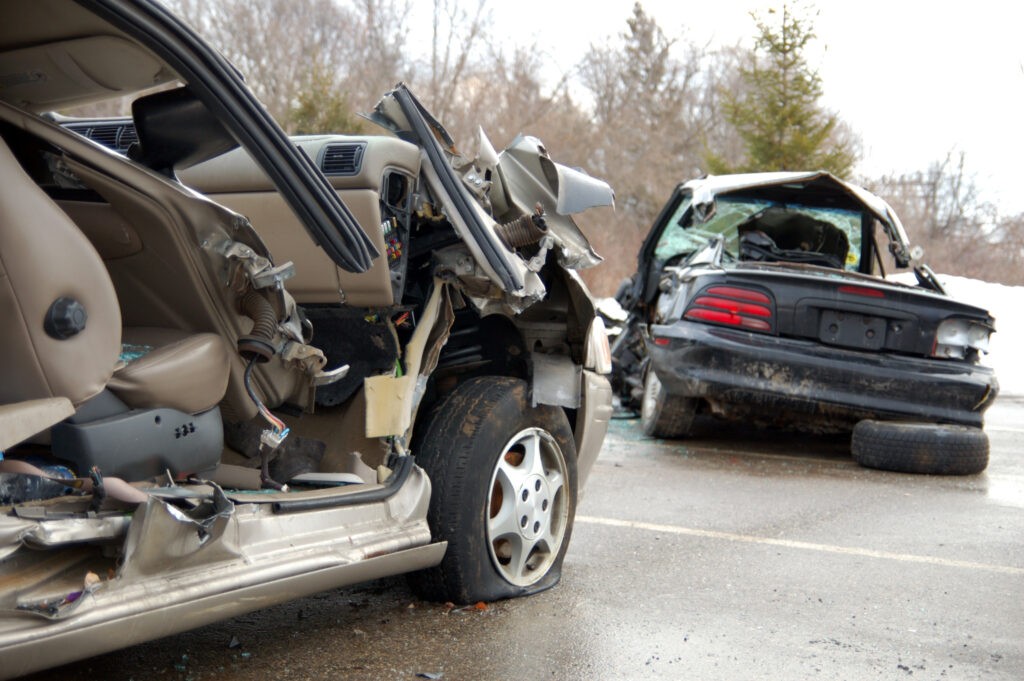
column 663, row 414
column 503, row 492
column 920, row 447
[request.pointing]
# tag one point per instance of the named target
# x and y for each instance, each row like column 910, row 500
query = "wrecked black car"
column 240, row 368
column 762, row 298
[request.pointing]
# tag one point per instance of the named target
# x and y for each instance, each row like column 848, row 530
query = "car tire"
column 920, row 447
column 503, row 492
column 662, row 414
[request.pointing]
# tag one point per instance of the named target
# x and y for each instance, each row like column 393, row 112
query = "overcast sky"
column 915, row 79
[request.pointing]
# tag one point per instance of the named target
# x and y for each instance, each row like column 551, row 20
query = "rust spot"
column 515, row 455
column 497, row 497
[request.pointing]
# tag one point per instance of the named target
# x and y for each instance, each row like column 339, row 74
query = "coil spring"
column 529, row 229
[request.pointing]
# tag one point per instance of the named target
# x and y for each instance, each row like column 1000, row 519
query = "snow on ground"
column 1005, row 304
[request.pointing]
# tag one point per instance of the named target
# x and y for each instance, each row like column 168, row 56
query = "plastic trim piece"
column 417, row 117
column 399, row 474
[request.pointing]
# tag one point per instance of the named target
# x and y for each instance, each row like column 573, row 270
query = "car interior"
column 170, row 227
column 776, row 234
column 123, row 265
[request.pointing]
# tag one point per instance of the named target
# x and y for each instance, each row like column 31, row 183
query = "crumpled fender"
column 478, row 193
column 529, row 177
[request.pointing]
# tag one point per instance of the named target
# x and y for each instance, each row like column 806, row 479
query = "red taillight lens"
column 729, row 318
column 739, row 293
column 862, row 291
column 734, row 306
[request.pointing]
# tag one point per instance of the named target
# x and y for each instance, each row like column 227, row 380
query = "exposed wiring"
column 277, row 424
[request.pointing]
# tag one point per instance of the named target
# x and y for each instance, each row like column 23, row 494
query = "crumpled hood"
column 481, row 193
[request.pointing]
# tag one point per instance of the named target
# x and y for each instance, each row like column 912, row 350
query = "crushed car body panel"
column 226, row 553
column 761, row 297
column 521, row 178
column 252, row 438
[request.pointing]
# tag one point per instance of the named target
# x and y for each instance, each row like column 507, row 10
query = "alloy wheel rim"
column 528, row 507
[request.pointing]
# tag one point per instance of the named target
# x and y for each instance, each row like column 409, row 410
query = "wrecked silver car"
column 239, row 368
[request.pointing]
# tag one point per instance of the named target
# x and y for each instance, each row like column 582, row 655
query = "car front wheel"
column 503, row 495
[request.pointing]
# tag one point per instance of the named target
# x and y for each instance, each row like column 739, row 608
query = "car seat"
column 141, row 409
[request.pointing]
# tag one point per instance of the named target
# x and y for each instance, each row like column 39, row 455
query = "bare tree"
column 943, row 212
column 456, row 35
column 283, row 47
column 376, row 58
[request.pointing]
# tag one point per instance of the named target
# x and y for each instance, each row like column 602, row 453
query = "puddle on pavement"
column 1006, row 490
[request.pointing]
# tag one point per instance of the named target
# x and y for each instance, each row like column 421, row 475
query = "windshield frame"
column 684, row 232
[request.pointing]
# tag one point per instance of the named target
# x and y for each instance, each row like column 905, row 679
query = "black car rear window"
column 684, row 234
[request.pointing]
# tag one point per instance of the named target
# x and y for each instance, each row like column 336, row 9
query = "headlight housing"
column 955, row 336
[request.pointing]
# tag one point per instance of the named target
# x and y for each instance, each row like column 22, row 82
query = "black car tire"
column 493, row 461
column 663, row 414
column 920, row 447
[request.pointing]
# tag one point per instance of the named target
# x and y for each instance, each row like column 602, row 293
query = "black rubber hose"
column 256, row 306
column 258, row 344
column 398, row 476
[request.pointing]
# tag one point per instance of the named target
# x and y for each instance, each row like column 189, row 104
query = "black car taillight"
column 733, row 306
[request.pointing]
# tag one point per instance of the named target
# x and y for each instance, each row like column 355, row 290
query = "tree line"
column 643, row 110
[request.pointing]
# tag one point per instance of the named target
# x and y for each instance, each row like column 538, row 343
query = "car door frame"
column 221, row 88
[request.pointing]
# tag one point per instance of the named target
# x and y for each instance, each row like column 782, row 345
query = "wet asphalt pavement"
column 734, row 555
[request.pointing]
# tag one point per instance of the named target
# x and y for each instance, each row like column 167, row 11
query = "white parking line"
column 809, row 546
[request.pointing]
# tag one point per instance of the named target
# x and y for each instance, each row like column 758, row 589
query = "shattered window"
column 683, row 236
column 786, row 224
column 849, row 221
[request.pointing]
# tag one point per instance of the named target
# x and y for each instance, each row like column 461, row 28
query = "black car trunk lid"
column 850, row 310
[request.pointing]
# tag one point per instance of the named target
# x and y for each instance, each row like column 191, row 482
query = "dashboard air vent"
column 342, row 159
column 117, row 136
column 105, row 135
column 127, row 138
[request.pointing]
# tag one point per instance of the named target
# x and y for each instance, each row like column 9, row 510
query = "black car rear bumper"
column 777, row 379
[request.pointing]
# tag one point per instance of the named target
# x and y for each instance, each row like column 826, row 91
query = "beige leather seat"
column 44, row 258
column 187, row 372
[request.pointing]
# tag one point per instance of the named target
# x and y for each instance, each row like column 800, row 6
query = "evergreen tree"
column 322, row 106
column 778, row 117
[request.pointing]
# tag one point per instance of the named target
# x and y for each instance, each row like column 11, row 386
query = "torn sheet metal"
column 57, row 600
column 474, row 193
column 464, row 211
column 531, row 177
column 11, row 531
column 476, row 215
column 464, row 271
column 163, row 537
column 557, row 381
column 391, row 401
column 60, row 608
column 52, row 533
